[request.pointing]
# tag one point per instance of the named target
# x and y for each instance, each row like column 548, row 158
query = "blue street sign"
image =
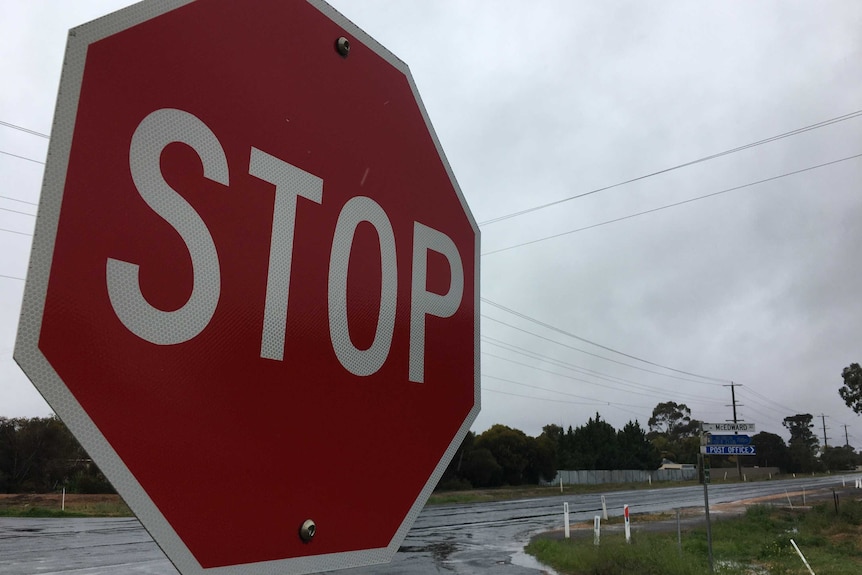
column 728, row 450
column 729, row 439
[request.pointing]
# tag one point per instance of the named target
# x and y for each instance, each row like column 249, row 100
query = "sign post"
column 253, row 268
column 705, row 470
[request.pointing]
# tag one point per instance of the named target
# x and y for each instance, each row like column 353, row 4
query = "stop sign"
column 253, row 291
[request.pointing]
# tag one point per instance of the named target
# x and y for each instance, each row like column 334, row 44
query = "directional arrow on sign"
column 728, row 450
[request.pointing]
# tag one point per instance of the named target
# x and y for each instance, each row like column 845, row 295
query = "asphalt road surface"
column 462, row 539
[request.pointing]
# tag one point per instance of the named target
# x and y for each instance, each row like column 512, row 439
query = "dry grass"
column 51, row 504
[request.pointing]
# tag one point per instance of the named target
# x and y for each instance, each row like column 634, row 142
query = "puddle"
column 522, row 559
column 439, row 551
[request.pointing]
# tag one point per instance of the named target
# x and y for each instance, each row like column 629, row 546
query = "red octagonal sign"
column 254, row 283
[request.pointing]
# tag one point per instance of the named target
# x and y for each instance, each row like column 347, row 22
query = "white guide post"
column 597, row 529
column 566, row 519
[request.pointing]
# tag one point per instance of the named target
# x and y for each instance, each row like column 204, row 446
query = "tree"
column 42, row 455
column 481, row 469
column 510, row 448
column 543, row 455
column 673, row 420
column 674, row 433
column 566, row 451
column 635, row 450
column 803, row 443
column 851, row 391
column 594, row 445
column 839, row 458
column 453, row 477
column 771, row 451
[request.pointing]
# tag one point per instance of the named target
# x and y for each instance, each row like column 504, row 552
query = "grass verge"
column 51, row 505
column 757, row 542
column 533, row 491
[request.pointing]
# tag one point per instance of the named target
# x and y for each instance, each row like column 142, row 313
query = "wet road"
column 460, row 539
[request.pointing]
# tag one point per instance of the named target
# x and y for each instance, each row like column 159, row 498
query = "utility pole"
column 733, row 387
column 825, row 439
column 846, row 437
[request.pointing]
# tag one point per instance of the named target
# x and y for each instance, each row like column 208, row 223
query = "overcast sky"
column 536, row 102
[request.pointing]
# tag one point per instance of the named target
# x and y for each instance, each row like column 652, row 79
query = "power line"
column 11, row 277
column 17, row 200
column 23, row 129
column 15, row 232
column 579, row 338
column 592, row 400
column 613, row 380
column 650, row 393
column 822, row 124
column 18, row 212
column 561, row 344
column 767, row 406
column 673, row 205
column 539, row 398
column 22, row 157
column 787, row 410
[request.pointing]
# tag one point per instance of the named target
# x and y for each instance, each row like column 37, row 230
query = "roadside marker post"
column 566, row 519
column 604, row 508
column 597, row 529
column 628, row 524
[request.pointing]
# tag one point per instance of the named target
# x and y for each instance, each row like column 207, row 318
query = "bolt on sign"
column 253, row 291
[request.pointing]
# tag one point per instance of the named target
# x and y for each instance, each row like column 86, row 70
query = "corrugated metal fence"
column 598, row 476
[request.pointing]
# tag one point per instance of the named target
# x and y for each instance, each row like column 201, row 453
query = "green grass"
column 612, row 557
column 532, row 491
column 507, row 493
column 40, row 512
column 49, row 505
column 832, row 543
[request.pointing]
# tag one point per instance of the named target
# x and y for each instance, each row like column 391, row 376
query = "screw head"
column 307, row 531
column 342, row 45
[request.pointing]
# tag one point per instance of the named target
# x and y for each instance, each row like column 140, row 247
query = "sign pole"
column 706, row 506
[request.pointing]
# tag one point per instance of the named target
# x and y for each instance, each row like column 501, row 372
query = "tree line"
column 506, row 456
column 677, row 435
column 40, row 455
